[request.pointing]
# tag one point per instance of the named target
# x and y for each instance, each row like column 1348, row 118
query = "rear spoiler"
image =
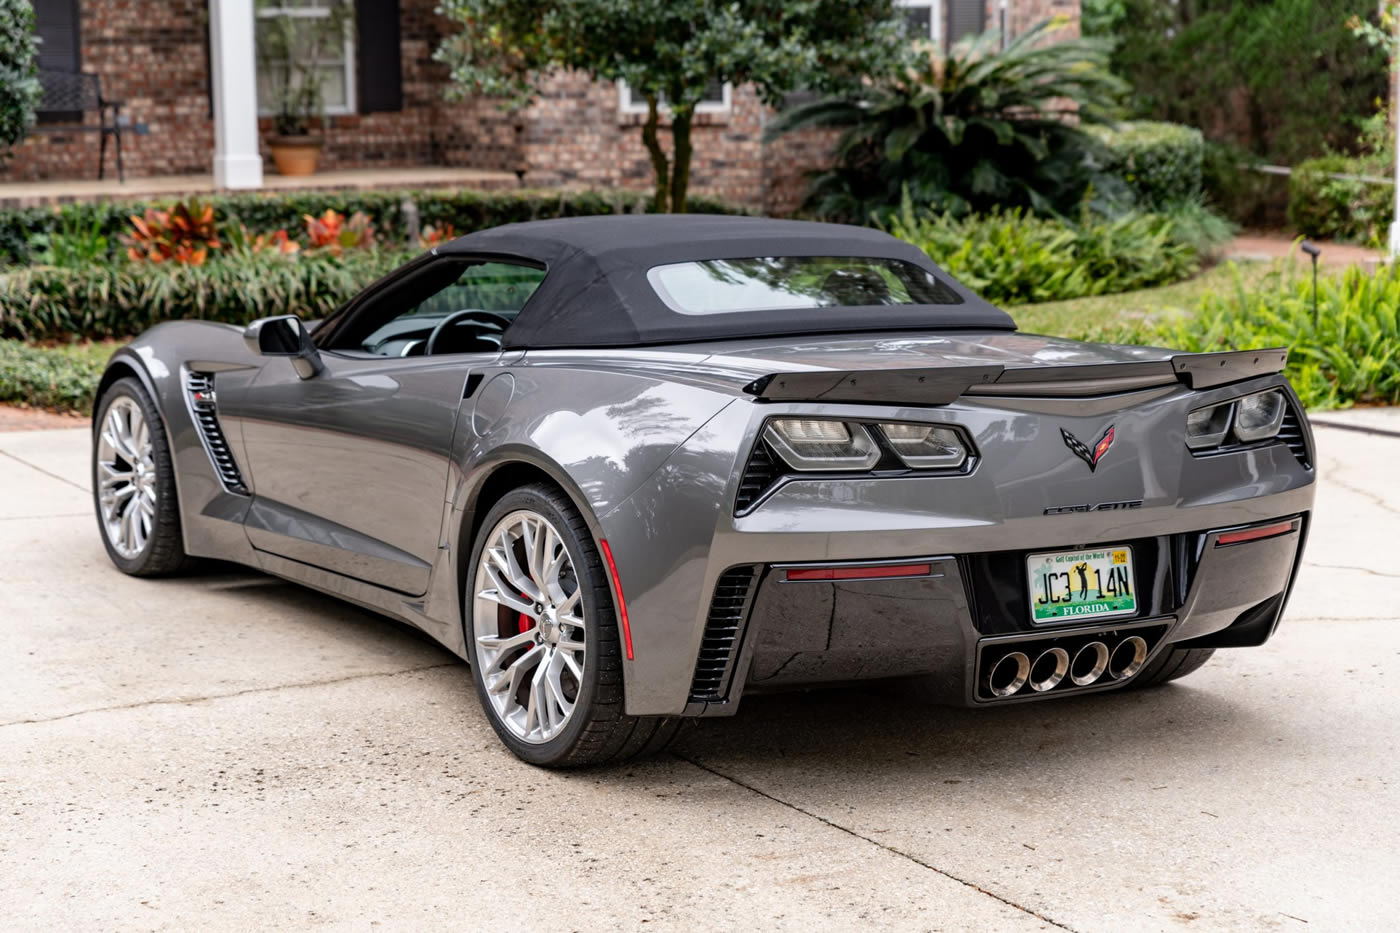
column 940, row 385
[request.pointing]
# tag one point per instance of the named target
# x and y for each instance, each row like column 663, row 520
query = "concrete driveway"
column 233, row 752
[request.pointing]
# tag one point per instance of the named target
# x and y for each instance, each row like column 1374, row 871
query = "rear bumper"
column 953, row 623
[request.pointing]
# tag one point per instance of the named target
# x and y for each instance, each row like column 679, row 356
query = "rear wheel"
column 133, row 483
column 1171, row 664
column 546, row 659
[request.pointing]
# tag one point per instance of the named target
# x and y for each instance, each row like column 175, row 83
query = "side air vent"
column 1291, row 433
column 760, row 474
column 723, row 632
column 199, row 394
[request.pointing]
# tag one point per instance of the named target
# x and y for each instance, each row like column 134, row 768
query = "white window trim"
column 345, row 109
column 935, row 17
column 625, row 105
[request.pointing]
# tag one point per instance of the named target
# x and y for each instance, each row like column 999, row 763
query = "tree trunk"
column 659, row 168
column 680, row 167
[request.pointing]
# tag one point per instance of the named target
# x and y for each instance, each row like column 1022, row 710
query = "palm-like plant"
column 981, row 128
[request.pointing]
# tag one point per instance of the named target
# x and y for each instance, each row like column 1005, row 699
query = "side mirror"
column 285, row 336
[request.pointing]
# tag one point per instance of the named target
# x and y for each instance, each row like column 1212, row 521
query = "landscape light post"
column 1313, row 252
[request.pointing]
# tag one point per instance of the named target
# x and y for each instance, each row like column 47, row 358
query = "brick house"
column 385, row 103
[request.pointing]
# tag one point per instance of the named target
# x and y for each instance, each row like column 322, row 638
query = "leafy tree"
column 19, row 79
column 669, row 52
column 1284, row 79
column 982, row 128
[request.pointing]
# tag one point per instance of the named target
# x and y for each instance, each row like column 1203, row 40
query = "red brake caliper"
column 525, row 621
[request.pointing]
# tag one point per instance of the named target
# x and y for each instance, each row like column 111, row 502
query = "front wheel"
column 133, row 483
column 546, row 659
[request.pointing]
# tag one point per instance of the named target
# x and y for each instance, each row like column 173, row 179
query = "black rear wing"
column 940, row 385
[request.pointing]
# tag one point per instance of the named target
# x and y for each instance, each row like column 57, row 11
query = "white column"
column 237, row 163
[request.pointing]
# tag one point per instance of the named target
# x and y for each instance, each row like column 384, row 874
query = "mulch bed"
column 13, row 418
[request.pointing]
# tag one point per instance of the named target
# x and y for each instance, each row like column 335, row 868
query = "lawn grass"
column 1111, row 317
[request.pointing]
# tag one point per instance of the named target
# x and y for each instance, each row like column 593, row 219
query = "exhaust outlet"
column 1009, row 674
column 1089, row 664
column 1127, row 658
column 1048, row 669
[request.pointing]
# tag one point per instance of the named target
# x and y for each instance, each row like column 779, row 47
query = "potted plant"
column 290, row 47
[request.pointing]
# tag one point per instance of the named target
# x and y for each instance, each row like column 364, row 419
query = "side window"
column 464, row 307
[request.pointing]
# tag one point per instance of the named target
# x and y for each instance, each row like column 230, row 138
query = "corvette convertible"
column 633, row 468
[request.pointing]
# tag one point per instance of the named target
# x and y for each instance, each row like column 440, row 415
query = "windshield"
column 776, row 283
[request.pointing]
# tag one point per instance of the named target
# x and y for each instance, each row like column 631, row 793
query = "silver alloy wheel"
column 126, row 477
column 527, row 623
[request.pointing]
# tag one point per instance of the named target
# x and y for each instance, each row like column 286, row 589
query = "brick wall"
column 576, row 134
column 153, row 54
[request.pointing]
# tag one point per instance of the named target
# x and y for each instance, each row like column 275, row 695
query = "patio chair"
column 78, row 93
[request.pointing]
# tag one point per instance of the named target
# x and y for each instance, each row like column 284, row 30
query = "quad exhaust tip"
column 1048, row 670
column 1009, row 674
column 1127, row 658
column 1089, row 664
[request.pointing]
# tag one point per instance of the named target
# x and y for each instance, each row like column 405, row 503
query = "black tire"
column 598, row 731
column 1171, row 664
column 164, row 549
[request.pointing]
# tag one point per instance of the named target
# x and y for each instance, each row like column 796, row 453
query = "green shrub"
column 1320, row 205
column 1234, row 186
column 19, row 80
column 118, row 300
column 465, row 210
column 1159, row 162
column 1011, row 258
column 51, row 377
column 1197, row 226
column 983, row 128
column 1351, row 355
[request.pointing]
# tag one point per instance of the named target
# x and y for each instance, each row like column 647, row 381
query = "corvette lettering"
column 1100, row 507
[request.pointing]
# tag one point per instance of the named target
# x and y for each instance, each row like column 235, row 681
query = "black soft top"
column 596, row 293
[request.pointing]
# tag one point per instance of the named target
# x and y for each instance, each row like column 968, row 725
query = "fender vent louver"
column 762, row 471
column 1291, row 433
column 723, row 634
column 199, row 394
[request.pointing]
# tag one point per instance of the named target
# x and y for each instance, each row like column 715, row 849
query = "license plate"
column 1095, row 583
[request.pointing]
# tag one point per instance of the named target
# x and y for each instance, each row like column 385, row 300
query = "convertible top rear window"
column 777, row 283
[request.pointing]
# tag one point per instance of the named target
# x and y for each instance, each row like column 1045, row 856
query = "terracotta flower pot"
column 296, row 155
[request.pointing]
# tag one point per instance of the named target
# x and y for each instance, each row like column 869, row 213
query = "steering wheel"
column 490, row 319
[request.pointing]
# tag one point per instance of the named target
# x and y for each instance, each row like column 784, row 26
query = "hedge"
column 1160, row 163
column 466, row 210
column 1335, row 208
column 1011, row 258
column 63, row 378
column 123, row 299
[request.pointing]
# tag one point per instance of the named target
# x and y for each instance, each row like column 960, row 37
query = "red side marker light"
column 800, row 574
column 621, row 602
column 1254, row 534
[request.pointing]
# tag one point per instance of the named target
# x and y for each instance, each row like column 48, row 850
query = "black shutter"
column 965, row 18
column 56, row 22
column 378, row 65
column 57, row 25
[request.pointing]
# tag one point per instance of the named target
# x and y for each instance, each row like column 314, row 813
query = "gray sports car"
column 631, row 468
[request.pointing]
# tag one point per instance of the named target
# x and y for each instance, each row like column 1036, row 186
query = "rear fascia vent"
column 724, row 630
column 199, row 396
column 1291, row 433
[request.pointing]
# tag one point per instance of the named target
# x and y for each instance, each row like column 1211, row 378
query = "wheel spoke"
column 504, row 558
column 555, row 686
column 501, row 593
